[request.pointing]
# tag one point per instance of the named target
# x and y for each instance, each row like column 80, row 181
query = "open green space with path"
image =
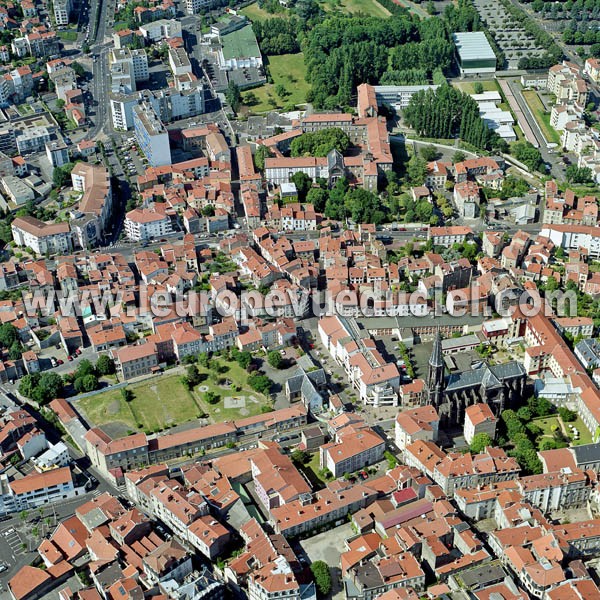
column 156, row 403
column 550, row 424
column 541, row 116
column 235, row 403
column 255, row 13
column 165, row 401
column 368, row 7
column 468, row 87
column 287, row 70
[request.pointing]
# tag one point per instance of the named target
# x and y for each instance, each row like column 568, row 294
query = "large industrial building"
column 474, row 54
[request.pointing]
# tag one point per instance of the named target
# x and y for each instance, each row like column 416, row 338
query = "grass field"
column 68, row 36
column 120, row 25
column 368, row 7
column 255, row 13
column 158, row 403
column 288, row 70
column 541, row 116
column 468, row 87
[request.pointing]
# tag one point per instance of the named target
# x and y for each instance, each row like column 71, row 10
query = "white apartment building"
column 151, row 135
column 163, row 29
column 42, row 238
column 62, row 12
column 193, row 7
column 57, row 153
column 37, row 489
column 136, row 59
column 179, row 61
column 144, row 224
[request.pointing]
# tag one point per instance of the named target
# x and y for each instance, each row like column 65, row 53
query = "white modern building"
column 56, row 456
column 151, row 135
column 37, row 489
column 57, row 153
column 163, row 29
column 144, row 224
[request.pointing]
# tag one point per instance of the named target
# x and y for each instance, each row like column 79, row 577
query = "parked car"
column 69, row 358
column 78, row 351
column 60, row 361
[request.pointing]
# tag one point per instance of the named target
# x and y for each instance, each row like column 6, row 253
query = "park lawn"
column 468, row 87
column 541, row 116
column 368, row 7
column 585, row 437
column 288, row 70
column 68, row 36
column 158, row 403
column 255, row 13
column 546, row 424
column 238, row 376
column 120, row 26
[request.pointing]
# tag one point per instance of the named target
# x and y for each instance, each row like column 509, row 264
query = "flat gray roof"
column 473, row 45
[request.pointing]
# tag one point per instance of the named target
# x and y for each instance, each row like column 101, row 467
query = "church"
column 497, row 385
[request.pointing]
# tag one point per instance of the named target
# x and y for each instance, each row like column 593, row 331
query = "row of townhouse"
column 456, row 471
column 137, row 449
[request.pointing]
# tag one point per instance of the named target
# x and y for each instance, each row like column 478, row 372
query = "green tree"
column 211, row 397
column 416, row 170
column 49, row 387
column 127, row 394
column 261, row 154
column 303, row 183
column 480, row 442
column 79, row 70
column 459, row 156
column 322, row 576
column 320, row 143
column 528, row 155
column 233, row 96
column 318, row 197
column 203, row 360
column 478, row 87
column 300, row 457
column 260, row 383
column 62, row 175
column 429, row 153
column 275, row 359
column 567, row 415
column 85, row 367
column 544, row 407
column 105, row 365
column 577, row 174
column 244, row 359
column 8, row 335
column 86, row 383
column 60, row 103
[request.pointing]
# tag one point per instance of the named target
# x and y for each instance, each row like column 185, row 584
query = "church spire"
column 437, row 359
column 435, row 376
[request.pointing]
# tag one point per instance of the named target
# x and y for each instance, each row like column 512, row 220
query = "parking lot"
column 14, row 541
column 328, row 547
